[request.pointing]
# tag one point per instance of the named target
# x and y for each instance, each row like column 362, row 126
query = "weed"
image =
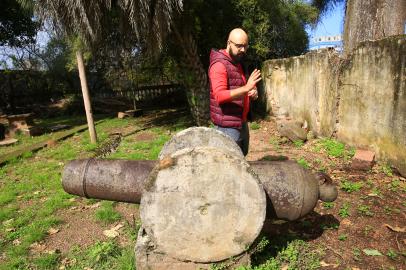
column 302, row 162
column 392, row 254
column 365, row 210
column 47, row 261
column 328, row 205
column 106, row 212
column 329, row 226
column 342, row 237
column 376, row 191
column 394, row 185
column 100, row 251
column 298, row 143
column 370, row 183
column 356, row 252
column 344, row 210
column 255, row 126
column 367, row 230
column 387, row 210
column 333, row 147
column 274, row 141
column 349, row 187
column 386, row 169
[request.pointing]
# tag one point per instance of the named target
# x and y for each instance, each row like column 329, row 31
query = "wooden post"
column 86, row 97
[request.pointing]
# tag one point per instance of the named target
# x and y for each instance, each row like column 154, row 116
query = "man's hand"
column 253, row 79
column 253, row 94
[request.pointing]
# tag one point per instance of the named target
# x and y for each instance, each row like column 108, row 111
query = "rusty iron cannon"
column 201, row 202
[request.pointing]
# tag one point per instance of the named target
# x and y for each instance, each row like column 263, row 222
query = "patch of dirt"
column 343, row 239
column 145, row 136
column 80, row 228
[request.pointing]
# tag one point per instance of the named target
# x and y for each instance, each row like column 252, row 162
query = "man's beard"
column 238, row 58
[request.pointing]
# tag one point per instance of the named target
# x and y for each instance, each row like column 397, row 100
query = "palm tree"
column 148, row 22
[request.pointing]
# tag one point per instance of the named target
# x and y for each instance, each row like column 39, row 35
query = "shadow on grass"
column 281, row 234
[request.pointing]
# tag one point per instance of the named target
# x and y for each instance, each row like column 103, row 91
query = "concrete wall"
column 361, row 100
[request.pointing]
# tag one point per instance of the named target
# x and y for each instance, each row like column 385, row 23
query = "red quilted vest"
column 228, row 114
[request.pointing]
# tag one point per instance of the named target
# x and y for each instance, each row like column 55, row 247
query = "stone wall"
column 361, row 100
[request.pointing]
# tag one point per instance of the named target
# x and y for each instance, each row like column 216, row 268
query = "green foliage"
column 106, row 213
column 394, row 185
column 333, row 147
column 47, row 261
column 365, row 210
column 392, row 254
column 302, row 162
column 386, row 169
column 265, row 21
column 344, row 210
column 298, row 143
column 104, row 256
column 342, row 237
column 17, row 27
column 255, row 126
column 350, row 187
column 357, row 253
column 328, row 205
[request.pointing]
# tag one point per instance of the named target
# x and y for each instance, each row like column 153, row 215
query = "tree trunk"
column 197, row 86
column 86, row 97
column 371, row 20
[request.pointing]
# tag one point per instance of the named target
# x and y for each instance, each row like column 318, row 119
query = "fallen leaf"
column 16, row 242
column 324, row 264
column 355, row 268
column 8, row 222
column 37, row 248
column 285, row 267
column 373, row 195
column 371, row 252
column 95, row 205
column 52, row 231
column 346, row 222
column 10, row 229
column 279, row 221
column 395, row 229
column 113, row 232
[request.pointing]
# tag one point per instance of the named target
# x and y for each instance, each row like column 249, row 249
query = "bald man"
column 230, row 90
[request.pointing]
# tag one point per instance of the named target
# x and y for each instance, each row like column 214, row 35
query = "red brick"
column 363, row 160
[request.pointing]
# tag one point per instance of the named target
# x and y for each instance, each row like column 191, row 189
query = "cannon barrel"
column 292, row 190
column 114, row 180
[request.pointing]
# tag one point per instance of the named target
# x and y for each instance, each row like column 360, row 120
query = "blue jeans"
column 240, row 136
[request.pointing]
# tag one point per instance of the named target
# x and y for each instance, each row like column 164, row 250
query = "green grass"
column 344, row 210
column 31, row 196
column 328, row 205
column 365, row 210
column 342, row 237
column 298, row 143
column 104, row 256
column 335, row 148
column 282, row 252
column 106, row 213
column 350, row 187
column 303, row 162
column 255, row 126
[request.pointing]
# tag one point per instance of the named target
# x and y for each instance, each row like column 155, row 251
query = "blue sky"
column 331, row 24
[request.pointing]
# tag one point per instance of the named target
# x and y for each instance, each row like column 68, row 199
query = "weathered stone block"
column 363, row 160
column 292, row 130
